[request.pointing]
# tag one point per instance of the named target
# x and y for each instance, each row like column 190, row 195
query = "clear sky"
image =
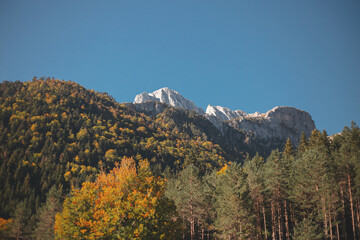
column 248, row 55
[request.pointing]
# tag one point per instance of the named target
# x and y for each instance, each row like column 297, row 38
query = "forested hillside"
column 58, row 134
column 234, row 142
column 109, row 171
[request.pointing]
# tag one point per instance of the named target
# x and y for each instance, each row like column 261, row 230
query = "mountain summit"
column 170, row 97
column 277, row 124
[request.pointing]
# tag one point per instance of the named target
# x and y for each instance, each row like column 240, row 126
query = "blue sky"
column 248, row 55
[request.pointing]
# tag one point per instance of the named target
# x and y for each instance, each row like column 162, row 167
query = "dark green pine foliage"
column 288, row 159
column 289, row 150
column 45, row 216
column 308, row 183
column 306, row 230
column 209, row 192
column 254, row 169
column 20, row 228
column 315, row 185
column 235, row 217
column 187, row 192
column 276, row 183
column 347, row 159
column 303, row 144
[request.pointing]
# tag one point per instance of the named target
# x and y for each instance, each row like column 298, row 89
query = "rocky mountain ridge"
column 168, row 96
column 278, row 123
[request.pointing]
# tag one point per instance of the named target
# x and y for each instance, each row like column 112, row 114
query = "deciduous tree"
column 127, row 203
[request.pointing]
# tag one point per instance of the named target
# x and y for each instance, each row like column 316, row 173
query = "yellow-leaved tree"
column 127, row 203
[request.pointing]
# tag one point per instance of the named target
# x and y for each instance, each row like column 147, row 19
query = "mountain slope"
column 57, row 133
column 231, row 140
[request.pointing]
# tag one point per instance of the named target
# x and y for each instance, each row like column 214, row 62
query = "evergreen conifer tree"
column 187, row 192
column 254, row 169
column 235, row 217
column 46, row 215
column 303, row 144
column 19, row 228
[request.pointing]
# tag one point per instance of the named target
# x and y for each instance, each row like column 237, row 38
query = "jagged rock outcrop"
column 168, row 96
column 278, row 123
column 272, row 127
column 223, row 113
column 150, row 108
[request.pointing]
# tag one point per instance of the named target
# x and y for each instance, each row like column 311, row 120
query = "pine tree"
column 187, row 191
column 347, row 159
column 19, row 228
column 303, row 144
column 46, row 215
column 276, row 184
column 255, row 179
column 287, row 161
column 307, row 230
column 288, row 149
column 315, row 189
column 235, row 217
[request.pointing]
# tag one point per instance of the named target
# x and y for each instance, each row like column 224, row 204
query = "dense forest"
column 308, row 192
column 75, row 164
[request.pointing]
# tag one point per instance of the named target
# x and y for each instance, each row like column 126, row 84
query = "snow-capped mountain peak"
column 170, row 97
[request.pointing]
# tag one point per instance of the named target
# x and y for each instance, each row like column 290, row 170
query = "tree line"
column 305, row 192
column 308, row 192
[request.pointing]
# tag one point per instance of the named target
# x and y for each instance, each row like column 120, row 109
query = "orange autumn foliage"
column 127, row 203
column 4, row 224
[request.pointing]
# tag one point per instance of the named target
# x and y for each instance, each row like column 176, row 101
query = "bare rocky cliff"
column 277, row 124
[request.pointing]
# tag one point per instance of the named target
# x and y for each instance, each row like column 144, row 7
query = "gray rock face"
column 170, row 97
column 224, row 113
column 278, row 123
column 150, row 108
